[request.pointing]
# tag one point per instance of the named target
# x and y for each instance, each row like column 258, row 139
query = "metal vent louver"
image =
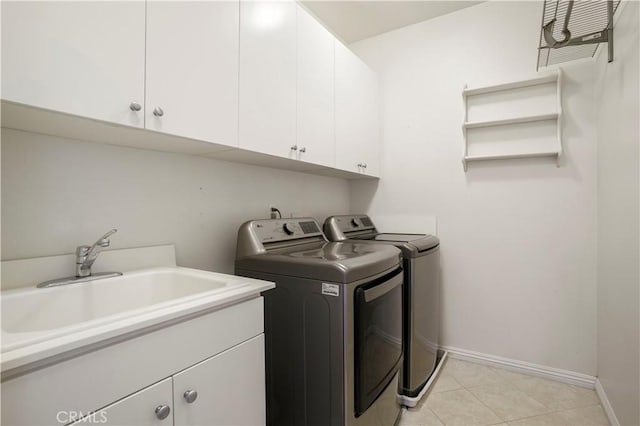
column 574, row 29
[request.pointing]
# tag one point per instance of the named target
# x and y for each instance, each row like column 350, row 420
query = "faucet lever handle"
column 104, row 240
column 108, row 234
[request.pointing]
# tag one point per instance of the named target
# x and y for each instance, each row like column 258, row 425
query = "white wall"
column 59, row 193
column 618, row 220
column 518, row 236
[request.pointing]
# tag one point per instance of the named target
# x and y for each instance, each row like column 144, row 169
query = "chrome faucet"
column 86, row 255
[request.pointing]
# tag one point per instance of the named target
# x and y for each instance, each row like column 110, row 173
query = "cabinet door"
column 138, row 409
column 315, row 126
column 81, row 57
column 357, row 116
column 268, row 77
column 230, row 388
column 192, row 69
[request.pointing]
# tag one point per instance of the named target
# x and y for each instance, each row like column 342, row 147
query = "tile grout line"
column 486, row 406
column 503, row 381
column 500, row 417
column 552, row 411
column 437, row 416
column 556, row 412
column 509, row 382
column 463, row 387
column 478, row 399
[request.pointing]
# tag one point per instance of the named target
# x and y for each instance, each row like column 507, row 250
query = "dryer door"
column 378, row 337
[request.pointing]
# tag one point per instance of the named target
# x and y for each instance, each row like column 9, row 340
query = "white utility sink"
column 41, row 322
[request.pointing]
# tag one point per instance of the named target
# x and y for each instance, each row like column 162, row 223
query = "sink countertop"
column 127, row 310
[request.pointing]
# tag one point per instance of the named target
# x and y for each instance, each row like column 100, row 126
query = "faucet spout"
column 86, row 255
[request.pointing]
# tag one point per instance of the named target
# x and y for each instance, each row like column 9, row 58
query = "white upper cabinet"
column 357, row 115
column 192, row 69
column 268, row 77
column 82, row 57
column 261, row 76
column 315, row 105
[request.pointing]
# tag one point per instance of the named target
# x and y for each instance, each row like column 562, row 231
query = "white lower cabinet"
column 150, row 406
column 227, row 389
column 142, row 380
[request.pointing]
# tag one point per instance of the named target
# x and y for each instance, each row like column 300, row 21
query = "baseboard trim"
column 557, row 374
column 606, row 405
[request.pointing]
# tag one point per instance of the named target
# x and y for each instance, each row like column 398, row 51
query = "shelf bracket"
column 583, row 16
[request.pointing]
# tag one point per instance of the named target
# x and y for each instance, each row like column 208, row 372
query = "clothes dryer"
column 421, row 264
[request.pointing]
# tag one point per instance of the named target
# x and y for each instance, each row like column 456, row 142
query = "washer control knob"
column 354, row 222
column 288, row 228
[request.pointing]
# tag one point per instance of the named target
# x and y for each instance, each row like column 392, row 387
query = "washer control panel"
column 273, row 230
column 339, row 228
column 350, row 223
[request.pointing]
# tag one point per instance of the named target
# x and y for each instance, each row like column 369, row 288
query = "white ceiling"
column 356, row 20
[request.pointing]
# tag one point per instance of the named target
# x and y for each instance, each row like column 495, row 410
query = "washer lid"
column 410, row 244
column 331, row 262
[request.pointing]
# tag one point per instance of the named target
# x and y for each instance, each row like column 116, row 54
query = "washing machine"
column 421, row 265
column 333, row 323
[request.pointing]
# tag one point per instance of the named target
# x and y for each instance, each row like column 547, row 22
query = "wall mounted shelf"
column 509, row 92
column 511, row 85
column 512, row 156
column 507, row 121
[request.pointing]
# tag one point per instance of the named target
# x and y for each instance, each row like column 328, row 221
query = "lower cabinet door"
column 227, row 389
column 150, row 406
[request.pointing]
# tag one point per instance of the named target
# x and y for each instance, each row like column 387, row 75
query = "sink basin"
column 47, row 321
column 46, row 309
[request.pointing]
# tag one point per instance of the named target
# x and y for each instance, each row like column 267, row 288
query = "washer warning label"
column 330, row 289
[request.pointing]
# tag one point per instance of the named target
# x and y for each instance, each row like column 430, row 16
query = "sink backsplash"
column 30, row 272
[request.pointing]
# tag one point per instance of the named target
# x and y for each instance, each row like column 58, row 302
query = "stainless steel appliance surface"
column 421, row 264
column 333, row 323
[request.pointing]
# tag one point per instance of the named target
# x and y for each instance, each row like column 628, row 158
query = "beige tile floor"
column 468, row 394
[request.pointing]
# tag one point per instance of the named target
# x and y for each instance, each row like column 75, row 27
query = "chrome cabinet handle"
column 162, row 411
column 294, row 148
column 134, row 106
column 158, row 112
column 303, row 149
column 190, row 396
